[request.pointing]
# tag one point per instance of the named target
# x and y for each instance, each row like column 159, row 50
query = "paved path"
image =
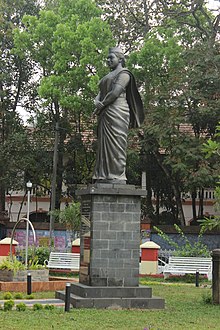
column 31, row 302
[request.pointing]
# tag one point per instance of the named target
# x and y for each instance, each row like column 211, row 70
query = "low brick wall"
column 36, row 286
column 40, row 275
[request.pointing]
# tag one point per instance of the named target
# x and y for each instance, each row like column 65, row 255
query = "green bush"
column 49, row 307
column 7, row 296
column 207, row 298
column 30, row 296
column 37, row 307
column 36, row 256
column 8, row 305
column 18, row 295
column 42, row 253
column 11, row 264
column 21, row 307
column 187, row 278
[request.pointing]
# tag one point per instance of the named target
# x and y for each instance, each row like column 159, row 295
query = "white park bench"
column 63, row 260
column 188, row 265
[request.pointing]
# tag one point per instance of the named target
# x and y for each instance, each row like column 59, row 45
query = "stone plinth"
column 110, row 236
column 110, row 250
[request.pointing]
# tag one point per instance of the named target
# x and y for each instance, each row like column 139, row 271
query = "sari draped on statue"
column 113, row 125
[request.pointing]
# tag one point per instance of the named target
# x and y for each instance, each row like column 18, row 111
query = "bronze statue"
column 118, row 107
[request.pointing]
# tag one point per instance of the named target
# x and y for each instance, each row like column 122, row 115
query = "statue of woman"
column 118, row 107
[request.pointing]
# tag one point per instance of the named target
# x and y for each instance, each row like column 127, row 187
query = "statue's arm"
column 118, row 87
column 98, row 105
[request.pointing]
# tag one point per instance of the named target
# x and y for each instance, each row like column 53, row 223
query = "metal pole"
column 67, row 298
column 197, row 278
column 29, row 289
column 13, row 232
column 27, row 227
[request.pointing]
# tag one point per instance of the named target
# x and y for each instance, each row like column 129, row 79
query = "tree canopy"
column 52, row 60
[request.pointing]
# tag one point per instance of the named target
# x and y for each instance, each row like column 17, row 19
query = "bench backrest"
column 64, row 260
column 193, row 263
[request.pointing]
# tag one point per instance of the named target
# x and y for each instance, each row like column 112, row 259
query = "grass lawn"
column 185, row 309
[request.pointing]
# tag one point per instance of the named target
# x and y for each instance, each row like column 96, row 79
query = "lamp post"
column 29, row 186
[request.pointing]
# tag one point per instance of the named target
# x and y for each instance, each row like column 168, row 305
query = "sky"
column 214, row 4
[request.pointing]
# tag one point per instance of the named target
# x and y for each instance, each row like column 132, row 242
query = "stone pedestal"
column 110, row 250
column 216, row 276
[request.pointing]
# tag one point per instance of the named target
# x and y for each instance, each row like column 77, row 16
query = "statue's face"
column 112, row 61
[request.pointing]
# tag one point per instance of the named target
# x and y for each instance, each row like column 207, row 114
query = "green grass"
column 36, row 295
column 185, row 309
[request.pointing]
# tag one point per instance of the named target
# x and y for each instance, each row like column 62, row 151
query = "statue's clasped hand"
column 99, row 106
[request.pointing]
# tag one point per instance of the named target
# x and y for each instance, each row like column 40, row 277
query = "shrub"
column 49, row 307
column 187, row 278
column 37, row 307
column 42, row 253
column 8, row 305
column 12, row 264
column 30, row 296
column 18, row 295
column 21, row 307
column 7, row 296
column 207, row 298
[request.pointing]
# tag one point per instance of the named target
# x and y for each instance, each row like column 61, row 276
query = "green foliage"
column 30, row 296
column 187, row 249
column 37, row 307
column 36, row 256
column 15, row 83
column 179, row 76
column 7, row 296
column 70, row 216
column 8, row 305
column 68, row 41
column 34, row 265
column 187, row 278
column 42, row 253
column 21, row 307
column 12, row 264
column 212, row 148
column 207, row 298
column 18, row 295
column 49, row 307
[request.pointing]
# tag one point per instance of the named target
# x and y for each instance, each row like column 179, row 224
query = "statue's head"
column 119, row 53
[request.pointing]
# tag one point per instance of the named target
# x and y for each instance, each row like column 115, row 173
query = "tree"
column 168, row 66
column 212, row 149
column 15, row 74
column 66, row 43
column 130, row 20
column 71, row 217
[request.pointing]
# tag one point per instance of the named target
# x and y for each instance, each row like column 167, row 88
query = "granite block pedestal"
column 110, row 250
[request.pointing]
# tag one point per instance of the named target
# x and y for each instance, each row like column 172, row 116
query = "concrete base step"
column 83, row 296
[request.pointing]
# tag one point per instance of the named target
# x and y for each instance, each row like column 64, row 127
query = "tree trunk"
column 174, row 187
column 2, row 199
column 193, row 193
column 201, row 200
